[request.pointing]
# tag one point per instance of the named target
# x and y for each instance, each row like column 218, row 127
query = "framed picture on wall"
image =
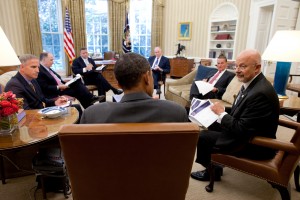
column 184, row 30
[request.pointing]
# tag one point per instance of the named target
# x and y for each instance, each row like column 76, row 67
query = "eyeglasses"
column 242, row 67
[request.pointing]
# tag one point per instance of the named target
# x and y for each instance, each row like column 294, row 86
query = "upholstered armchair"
column 4, row 78
column 129, row 161
column 276, row 171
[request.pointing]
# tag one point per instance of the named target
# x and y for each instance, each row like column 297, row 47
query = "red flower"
column 9, row 104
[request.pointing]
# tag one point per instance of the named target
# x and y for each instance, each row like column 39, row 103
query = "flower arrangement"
column 9, row 104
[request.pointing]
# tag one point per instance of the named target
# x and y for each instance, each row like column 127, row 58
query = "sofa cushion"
column 202, row 72
column 232, row 90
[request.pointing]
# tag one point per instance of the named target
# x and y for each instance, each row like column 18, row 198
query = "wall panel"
column 12, row 24
column 198, row 12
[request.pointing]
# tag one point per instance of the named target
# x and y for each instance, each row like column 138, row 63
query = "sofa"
column 179, row 90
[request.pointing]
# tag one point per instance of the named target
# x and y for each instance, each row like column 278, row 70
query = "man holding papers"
column 53, row 86
column 215, row 84
column 255, row 113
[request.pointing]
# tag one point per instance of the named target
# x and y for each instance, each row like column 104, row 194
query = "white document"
column 77, row 77
column 204, row 87
column 100, row 67
column 201, row 114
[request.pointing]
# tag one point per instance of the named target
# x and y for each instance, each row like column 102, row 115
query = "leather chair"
column 276, row 171
column 129, row 161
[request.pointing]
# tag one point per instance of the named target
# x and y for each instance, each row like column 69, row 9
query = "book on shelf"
column 77, row 77
column 212, row 54
column 201, row 113
column 229, row 55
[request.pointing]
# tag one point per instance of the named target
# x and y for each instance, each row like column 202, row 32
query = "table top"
column 33, row 128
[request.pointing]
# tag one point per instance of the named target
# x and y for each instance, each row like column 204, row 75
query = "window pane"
column 140, row 21
column 52, row 31
column 96, row 14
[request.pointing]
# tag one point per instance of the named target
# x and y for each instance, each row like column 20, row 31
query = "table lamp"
column 285, row 49
column 8, row 56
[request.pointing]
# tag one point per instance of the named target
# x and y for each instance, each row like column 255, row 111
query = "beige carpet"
column 234, row 185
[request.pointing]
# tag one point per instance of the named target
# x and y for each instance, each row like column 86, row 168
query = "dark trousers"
column 80, row 92
column 97, row 79
column 205, row 147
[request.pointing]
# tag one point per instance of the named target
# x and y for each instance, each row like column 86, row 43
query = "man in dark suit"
column 24, row 85
column 134, row 76
column 53, row 86
column 86, row 66
column 160, row 66
column 255, row 112
column 219, row 79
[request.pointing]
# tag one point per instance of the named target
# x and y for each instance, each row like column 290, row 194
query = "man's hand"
column 89, row 67
column 61, row 101
column 157, row 68
column 217, row 108
column 62, row 87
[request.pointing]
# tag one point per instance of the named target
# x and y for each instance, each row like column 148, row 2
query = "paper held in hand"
column 204, row 87
column 100, row 68
column 77, row 77
column 201, row 114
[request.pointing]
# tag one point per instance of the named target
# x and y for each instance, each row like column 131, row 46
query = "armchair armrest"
column 291, row 77
column 187, row 79
column 275, row 144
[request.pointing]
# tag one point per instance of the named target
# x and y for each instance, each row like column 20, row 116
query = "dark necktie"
column 32, row 86
column 240, row 94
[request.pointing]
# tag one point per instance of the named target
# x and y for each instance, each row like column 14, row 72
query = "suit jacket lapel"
column 27, row 86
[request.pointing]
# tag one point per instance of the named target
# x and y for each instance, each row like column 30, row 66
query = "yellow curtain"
column 157, row 24
column 33, row 38
column 116, row 13
column 77, row 17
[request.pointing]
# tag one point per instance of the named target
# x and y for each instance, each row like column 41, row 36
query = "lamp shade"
column 284, row 47
column 8, row 56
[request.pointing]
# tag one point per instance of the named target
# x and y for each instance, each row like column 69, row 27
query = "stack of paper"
column 77, row 77
column 201, row 114
column 204, row 87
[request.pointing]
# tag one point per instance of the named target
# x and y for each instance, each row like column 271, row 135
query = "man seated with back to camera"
column 53, row 86
column 255, row 112
column 134, row 75
column 86, row 67
column 24, row 85
column 220, row 80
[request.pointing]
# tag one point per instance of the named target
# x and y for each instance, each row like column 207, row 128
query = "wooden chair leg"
column 211, row 171
column 296, row 177
column 284, row 192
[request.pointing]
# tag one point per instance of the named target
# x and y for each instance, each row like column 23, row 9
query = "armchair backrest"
column 109, row 55
column 129, row 161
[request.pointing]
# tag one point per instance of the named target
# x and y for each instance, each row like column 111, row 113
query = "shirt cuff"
column 221, row 117
column 84, row 70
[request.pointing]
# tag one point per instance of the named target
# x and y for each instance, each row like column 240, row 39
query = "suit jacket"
column 164, row 63
column 135, row 107
column 255, row 114
column 78, row 65
column 32, row 99
column 48, row 83
column 221, row 84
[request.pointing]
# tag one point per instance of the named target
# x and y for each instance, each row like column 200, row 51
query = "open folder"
column 201, row 113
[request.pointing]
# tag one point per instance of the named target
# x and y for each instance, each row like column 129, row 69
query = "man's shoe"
column 117, row 91
column 204, row 175
column 97, row 98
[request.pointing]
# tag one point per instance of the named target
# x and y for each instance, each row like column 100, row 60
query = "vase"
column 8, row 123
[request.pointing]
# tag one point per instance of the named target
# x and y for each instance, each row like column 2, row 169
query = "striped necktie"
column 240, row 94
column 214, row 77
column 58, row 81
column 32, row 86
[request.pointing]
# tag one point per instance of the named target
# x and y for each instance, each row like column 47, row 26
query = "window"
column 96, row 14
column 52, row 32
column 140, row 26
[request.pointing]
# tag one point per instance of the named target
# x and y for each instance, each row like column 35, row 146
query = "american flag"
column 68, row 38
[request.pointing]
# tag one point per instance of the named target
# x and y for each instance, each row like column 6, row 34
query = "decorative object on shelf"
column 215, row 28
column 228, row 44
column 223, row 37
column 179, row 49
column 225, row 27
column 218, row 45
column 9, row 106
column 185, row 31
column 283, row 48
column 8, row 56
